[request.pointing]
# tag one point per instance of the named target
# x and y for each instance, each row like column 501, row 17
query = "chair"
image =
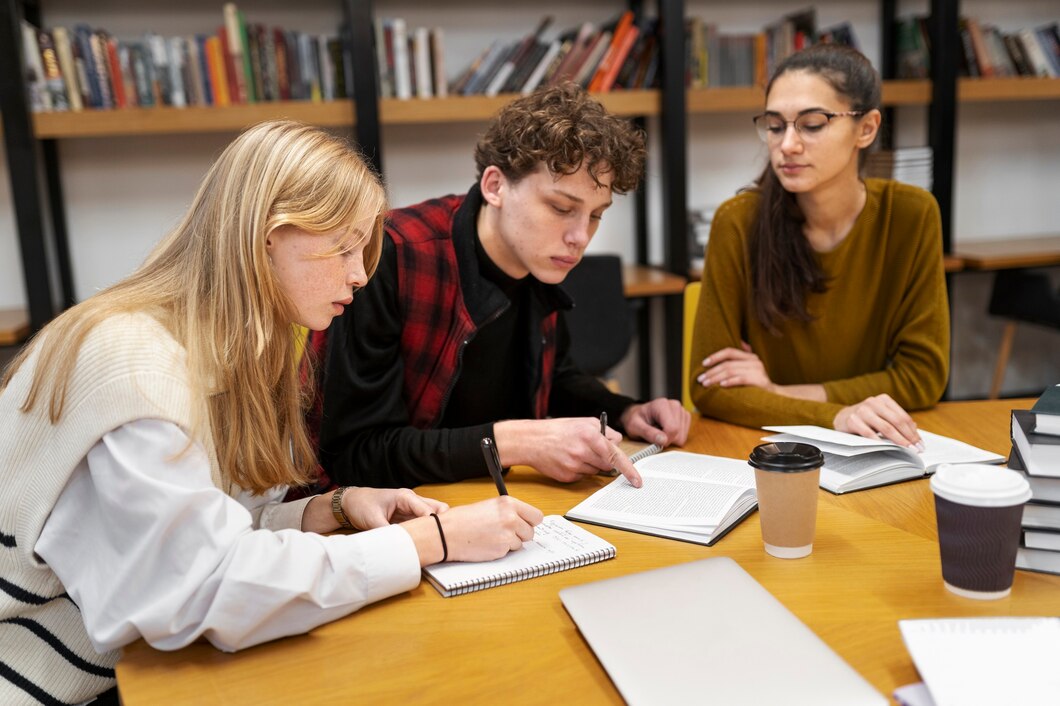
column 601, row 322
column 691, row 305
column 1020, row 295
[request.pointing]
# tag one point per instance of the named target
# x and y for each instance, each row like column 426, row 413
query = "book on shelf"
column 557, row 545
column 1043, row 489
column 1040, row 560
column 686, row 496
column 1041, row 539
column 1039, row 453
column 853, row 462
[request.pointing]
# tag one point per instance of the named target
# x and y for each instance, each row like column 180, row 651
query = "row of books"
column 241, row 63
column 1036, row 454
column 620, row 54
column 986, row 51
column 746, row 59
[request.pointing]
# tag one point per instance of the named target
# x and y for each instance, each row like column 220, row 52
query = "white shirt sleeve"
column 147, row 546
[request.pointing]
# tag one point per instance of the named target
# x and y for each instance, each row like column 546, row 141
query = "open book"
column 557, row 545
column 687, row 496
column 853, row 462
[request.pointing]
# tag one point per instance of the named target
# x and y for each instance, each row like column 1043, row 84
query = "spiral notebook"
column 557, row 545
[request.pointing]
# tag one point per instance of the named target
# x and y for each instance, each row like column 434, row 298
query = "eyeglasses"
column 810, row 126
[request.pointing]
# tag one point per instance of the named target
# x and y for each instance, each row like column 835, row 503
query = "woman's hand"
column 735, row 367
column 366, row 508
column 478, row 532
column 879, row 416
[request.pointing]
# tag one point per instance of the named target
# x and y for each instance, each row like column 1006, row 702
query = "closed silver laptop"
column 706, row 632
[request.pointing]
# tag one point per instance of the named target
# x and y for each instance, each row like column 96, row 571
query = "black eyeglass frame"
column 764, row 134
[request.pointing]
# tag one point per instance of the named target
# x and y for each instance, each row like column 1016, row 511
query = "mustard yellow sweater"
column 882, row 326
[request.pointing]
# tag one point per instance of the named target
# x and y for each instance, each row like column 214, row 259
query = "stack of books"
column 1036, row 454
column 910, row 165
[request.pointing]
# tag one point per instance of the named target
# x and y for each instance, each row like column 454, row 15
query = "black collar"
column 482, row 297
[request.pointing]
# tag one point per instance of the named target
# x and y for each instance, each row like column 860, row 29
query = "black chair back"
column 601, row 322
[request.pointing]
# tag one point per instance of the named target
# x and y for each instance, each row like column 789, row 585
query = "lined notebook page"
column 558, row 545
column 969, row 661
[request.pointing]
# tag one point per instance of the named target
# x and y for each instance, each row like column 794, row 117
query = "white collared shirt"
column 147, row 546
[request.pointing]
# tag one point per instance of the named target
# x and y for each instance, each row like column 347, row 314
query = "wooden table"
column 14, row 326
column 1008, row 253
column 875, row 561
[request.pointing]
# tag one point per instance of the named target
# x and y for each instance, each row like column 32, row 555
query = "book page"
column 942, row 449
column 681, row 490
column 555, row 540
column 968, row 661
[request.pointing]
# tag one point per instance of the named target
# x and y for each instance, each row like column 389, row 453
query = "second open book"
column 687, row 496
column 854, row 462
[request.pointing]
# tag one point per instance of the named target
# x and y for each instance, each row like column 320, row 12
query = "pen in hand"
column 493, row 463
column 603, row 432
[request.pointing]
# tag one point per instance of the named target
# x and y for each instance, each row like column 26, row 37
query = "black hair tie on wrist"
column 445, row 547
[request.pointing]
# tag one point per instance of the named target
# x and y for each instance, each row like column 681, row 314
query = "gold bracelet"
column 336, row 508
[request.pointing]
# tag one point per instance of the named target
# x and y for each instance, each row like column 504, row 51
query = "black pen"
column 603, row 432
column 493, row 463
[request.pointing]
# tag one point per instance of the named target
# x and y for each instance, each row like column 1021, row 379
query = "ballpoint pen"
column 493, row 463
column 603, row 432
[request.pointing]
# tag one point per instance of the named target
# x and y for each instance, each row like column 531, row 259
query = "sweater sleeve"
column 366, row 437
column 147, row 546
column 918, row 338
column 720, row 323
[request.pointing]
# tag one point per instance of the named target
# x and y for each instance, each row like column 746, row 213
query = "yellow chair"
column 691, row 304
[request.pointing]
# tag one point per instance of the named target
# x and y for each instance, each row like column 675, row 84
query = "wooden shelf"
column 481, row 108
column 461, row 109
column 1020, row 88
column 169, row 121
column 749, row 98
column 731, row 99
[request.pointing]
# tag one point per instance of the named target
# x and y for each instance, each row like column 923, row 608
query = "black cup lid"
column 786, row 456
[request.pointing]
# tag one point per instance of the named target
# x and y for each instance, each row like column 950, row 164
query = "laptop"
column 706, row 632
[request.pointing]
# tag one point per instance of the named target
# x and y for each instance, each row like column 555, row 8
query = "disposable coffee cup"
column 979, row 509
column 786, row 478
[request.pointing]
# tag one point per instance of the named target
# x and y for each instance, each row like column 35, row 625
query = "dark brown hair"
column 783, row 267
column 563, row 128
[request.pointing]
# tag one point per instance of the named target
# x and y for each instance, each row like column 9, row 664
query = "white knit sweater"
column 128, row 368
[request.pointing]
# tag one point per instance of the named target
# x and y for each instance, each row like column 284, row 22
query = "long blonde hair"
column 211, row 284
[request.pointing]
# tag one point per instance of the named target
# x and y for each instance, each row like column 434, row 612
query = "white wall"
column 123, row 193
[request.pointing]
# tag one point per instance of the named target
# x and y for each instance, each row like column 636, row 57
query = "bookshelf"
column 32, row 155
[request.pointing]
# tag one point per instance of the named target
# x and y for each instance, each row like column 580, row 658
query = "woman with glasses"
column 824, row 298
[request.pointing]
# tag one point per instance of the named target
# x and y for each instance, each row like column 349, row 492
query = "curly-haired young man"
column 459, row 334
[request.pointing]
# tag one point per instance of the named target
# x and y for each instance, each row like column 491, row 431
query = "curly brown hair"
column 563, row 128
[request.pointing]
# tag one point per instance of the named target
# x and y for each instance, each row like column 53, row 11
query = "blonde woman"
column 151, row 431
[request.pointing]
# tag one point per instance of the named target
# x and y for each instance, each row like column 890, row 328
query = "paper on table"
column 916, row 694
column 970, row 661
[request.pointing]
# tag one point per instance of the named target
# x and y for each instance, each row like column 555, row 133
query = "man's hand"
column 566, row 449
column 661, row 421
column 879, row 416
